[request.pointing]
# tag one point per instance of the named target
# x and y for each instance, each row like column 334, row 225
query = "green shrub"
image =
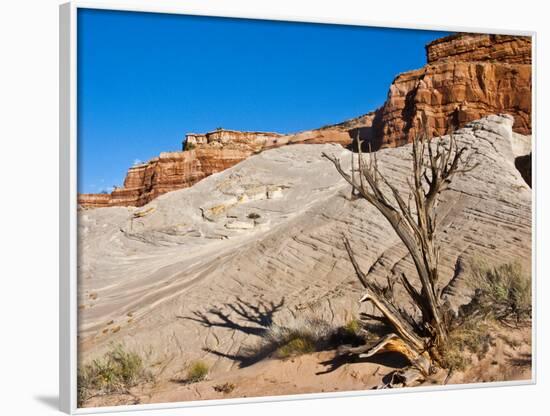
column 196, row 372
column 296, row 346
column 116, row 371
column 501, row 293
column 473, row 336
column 352, row 327
column 190, row 146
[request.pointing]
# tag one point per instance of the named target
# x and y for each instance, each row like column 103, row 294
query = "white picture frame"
column 68, row 204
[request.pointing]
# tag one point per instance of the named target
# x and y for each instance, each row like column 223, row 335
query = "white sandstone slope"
column 267, row 234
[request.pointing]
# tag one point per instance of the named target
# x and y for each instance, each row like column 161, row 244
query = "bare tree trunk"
column 433, row 170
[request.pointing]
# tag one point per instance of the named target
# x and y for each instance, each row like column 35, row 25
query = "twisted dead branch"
column 434, row 165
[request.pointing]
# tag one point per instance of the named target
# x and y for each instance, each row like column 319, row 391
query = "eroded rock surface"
column 468, row 76
column 471, row 47
column 203, row 271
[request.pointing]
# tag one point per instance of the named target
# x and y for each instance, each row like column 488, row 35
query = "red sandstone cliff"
column 467, row 76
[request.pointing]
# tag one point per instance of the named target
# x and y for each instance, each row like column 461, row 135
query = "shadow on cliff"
column 523, row 165
column 370, row 136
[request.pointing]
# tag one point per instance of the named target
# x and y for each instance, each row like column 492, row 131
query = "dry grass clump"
column 225, row 388
column 296, row 346
column 301, row 335
column 305, row 334
column 472, row 337
column 352, row 327
column 502, row 293
column 115, row 372
column 197, row 371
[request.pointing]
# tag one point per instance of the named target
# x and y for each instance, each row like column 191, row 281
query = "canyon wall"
column 467, row 77
column 463, row 47
column 201, row 156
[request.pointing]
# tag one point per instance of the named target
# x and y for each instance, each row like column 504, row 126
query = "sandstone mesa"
column 467, row 76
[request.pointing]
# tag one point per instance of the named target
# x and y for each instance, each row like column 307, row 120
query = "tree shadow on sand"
column 257, row 319
column 387, row 359
column 260, row 315
column 242, row 316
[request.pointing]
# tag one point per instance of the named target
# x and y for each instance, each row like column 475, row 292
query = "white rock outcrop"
column 192, row 283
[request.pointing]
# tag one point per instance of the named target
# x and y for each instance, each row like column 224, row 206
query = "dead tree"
column 433, row 167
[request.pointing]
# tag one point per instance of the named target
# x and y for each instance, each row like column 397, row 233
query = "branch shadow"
column 392, row 360
column 260, row 315
column 257, row 320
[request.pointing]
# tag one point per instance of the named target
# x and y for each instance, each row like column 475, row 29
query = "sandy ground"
column 509, row 359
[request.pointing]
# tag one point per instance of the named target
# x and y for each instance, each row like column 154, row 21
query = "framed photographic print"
column 256, row 209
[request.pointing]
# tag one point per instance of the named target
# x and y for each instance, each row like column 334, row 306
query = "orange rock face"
column 468, row 76
column 464, row 47
column 168, row 172
column 203, row 155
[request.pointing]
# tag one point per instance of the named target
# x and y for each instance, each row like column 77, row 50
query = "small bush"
column 253, row 216
column 296, row 346
column 224, row 388
column 501, row 293
column 302, row 332
column 190, row 146
column 352, row 327
column 473, row 336
column 196, row 372
column 454, row 359
column 116, row 371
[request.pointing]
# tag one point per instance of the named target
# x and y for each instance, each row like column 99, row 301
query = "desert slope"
column 211, row 266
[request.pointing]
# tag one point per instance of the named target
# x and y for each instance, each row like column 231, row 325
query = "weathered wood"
column 433, row 170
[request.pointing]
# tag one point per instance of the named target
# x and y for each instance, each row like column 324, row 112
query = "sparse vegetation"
column 474, row 337
column 197, row 371
column 305, row 334
column 253, row 216
column 225, row 388
column 116, row 372
column 352, row 327
column 296, row 346
column 190, row 146
column 502, row 293
column 301, row 335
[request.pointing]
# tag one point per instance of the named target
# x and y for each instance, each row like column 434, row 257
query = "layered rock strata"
column 201, row 156
column 468, row 76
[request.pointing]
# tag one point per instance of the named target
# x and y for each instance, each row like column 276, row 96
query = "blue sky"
column 146, row 79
